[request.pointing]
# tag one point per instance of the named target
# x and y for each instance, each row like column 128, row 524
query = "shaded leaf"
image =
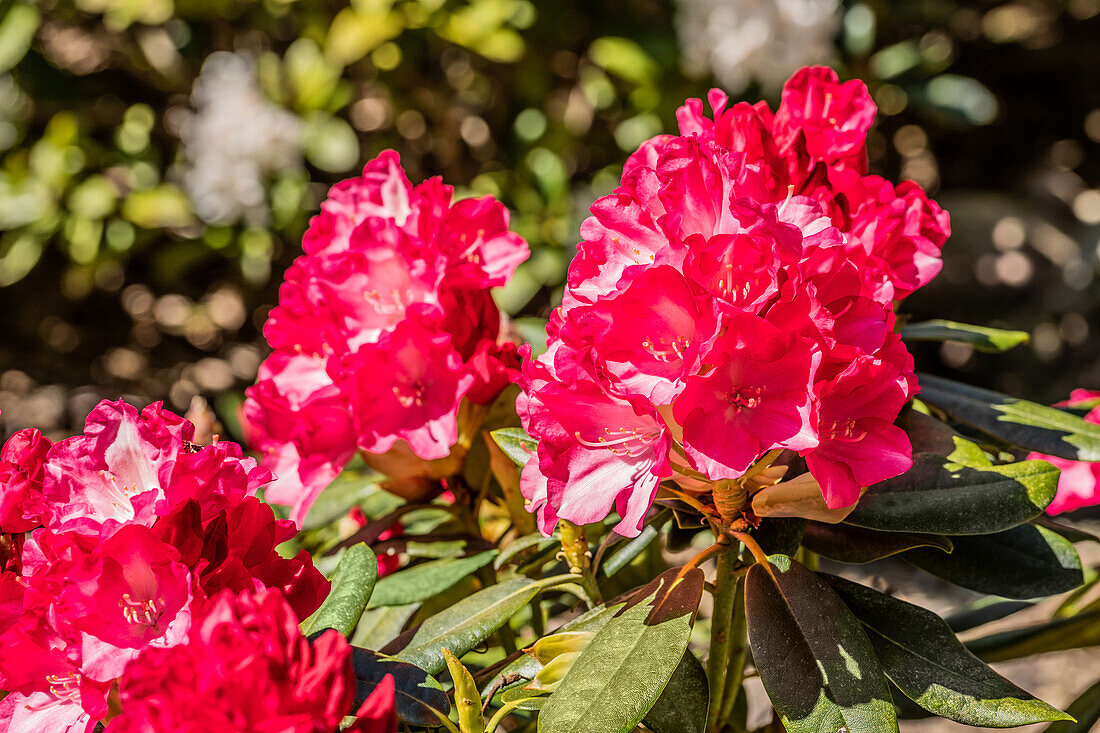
column 921, row 655
column 416, row 691
column 1073, row 534
column 1018, row 422
column 939, row 496
column 625, row 554
column 986, row 612
column 845, row 543
column 536, row 539
column 623, row 670
column 989, row 340
column 815, row 660
column 469, row 622
column 350, row 488
column 352, row 583
column 1024, row 562
column 1085, row 710
column 1052, row 636
column 683, row 705
column 380, row 626
column 423, row 581
column 780, row 536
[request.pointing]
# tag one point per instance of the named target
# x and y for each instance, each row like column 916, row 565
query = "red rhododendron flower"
column 141, row 527
column 22, row 461
column 734, row 296
column 131, row 467
column 246, row 667
column 1079, row 482
column 384, row 328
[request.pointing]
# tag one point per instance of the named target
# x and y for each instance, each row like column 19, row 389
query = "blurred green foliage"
column 125, row 269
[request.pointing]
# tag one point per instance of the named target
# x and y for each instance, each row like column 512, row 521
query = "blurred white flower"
column 766, row 40
column 233, row 141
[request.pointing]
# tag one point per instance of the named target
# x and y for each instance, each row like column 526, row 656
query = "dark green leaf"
column 815, row 660
column 1085, row 710
column 990, row 340
column 623, row 670
column 984, row 612
column 352, row 583
column 682, row 706
column 380, row 626
column 1018, row 422
column 938, row 496
column 625, row 554
column 516, row 444
column 845, row 543
column 1073, row 534
column 417, row 692
column 1024, row 562
column 780, row 535
column 1052, row 636
column 423, row 581
column 921, row 655
column 469, row 622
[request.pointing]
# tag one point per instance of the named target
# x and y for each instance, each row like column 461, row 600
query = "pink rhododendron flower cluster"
column 1079, row 482
column 735, row 295
column 246, row 667
column 384, row 331
column 132, row 530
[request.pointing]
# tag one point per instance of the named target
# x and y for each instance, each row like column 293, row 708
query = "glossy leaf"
column 470, row 621
column 939, row 496
column 1025, row 562
column 683, row 705
column 856, row 545
column 815, row 660
column 428, row 579
column 989, row 340
column 416, row 692
column 921, row 655
column 516, row 444
column 1018, row 422
column 621, row 673
column 352, row 584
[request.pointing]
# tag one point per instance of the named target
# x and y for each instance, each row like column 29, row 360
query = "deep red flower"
column 245, row 668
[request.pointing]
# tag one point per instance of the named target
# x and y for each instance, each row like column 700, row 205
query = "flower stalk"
column 574, row 546
column 726, row 583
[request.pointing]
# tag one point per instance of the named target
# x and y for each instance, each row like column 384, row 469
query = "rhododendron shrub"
column 386, row 338
column 728, row 374
column 734, row 296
